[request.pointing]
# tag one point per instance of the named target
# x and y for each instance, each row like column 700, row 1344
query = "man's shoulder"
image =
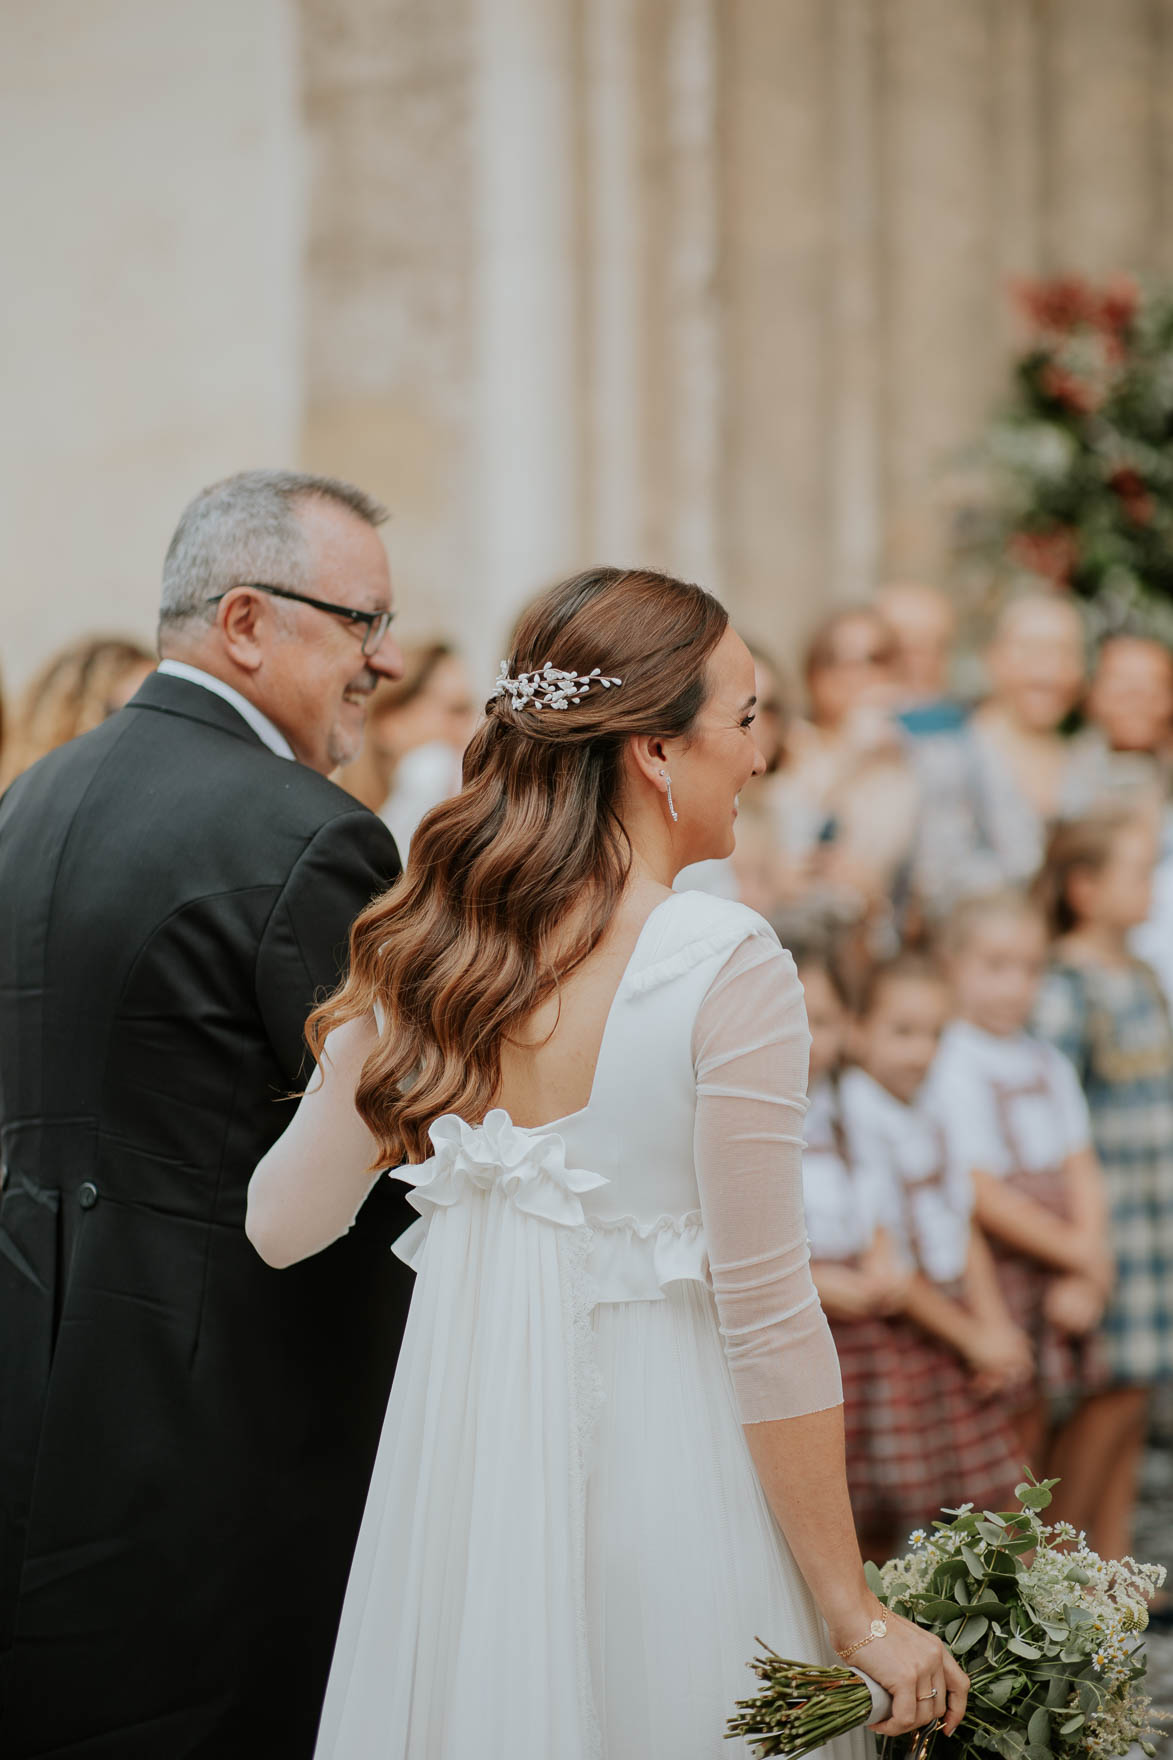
column 152, row 780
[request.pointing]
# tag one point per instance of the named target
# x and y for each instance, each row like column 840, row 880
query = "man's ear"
column 240, row 617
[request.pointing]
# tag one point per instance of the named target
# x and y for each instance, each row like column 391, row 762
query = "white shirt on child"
column 905, row 1147
column 1009, row 1103
column 844, row 1206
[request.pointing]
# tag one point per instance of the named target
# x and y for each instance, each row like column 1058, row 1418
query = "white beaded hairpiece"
column 549, row 688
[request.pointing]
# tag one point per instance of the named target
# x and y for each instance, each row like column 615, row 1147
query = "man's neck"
column 262, row 724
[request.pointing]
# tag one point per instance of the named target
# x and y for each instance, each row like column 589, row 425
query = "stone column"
column 524, row 456
column 940, row 276
column 1101, row 209
column 612, row 278
column 776, row 202
column 853, row 433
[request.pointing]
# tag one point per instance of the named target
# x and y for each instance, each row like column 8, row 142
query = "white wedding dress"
column 566, row 1552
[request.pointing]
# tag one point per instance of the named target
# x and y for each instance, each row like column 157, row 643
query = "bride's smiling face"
column 711, row 767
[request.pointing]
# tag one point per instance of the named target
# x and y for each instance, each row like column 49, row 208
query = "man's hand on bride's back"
column 919, row 1672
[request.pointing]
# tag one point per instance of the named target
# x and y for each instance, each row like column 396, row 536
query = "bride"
column 613, row 1452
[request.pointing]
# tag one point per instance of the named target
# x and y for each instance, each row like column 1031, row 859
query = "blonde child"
column 1018, row 1124
column 957, row 1353
column 1106, row 1011
column 857, row 1273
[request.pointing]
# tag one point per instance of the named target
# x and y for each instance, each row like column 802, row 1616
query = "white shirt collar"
column 257, row 720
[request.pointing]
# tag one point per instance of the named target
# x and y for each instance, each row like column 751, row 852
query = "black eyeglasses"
column 377, row 622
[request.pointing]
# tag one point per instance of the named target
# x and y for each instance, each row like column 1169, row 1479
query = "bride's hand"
column 916, row 1669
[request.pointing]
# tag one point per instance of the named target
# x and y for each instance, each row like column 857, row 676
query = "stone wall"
column 718, row 285
column 151, row 186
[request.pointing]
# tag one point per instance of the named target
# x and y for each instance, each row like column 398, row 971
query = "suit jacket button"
column 87, row 1195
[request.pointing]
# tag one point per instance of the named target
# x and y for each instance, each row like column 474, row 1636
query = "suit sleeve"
column 304, row 948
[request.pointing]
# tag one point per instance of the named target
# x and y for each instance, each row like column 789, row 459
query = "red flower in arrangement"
column 1067, row 387
column 1119, row 303
column 1051, row 554
column 1133, row 493
column 1058, row 305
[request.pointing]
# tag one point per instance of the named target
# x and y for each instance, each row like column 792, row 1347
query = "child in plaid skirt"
column 1018, row 1124
column 1105, row 1010
column 947, row 1366
column 857, row 1273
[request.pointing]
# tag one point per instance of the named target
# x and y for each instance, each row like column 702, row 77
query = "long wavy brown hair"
column 473, row 937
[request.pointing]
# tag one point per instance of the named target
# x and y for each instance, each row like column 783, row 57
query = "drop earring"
column 671, row 805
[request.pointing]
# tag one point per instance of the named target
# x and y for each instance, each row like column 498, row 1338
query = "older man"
column 185, row 1436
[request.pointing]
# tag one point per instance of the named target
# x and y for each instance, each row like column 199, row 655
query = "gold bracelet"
column 877, row 1629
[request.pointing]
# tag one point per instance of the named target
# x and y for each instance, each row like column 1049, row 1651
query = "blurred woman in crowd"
column 1130, row 702
column 923, row 624
column 845, row 803
column 416, row 731
column 73, row 692
column 991, row 790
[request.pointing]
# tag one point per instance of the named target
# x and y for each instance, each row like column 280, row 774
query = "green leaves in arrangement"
column 1047, row 1631
column 1079, row 463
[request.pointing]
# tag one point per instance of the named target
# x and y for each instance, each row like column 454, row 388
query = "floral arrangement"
column 1048, row 1632
column 1082, row 458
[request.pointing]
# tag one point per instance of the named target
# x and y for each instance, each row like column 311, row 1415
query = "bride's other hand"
column 924, row 1680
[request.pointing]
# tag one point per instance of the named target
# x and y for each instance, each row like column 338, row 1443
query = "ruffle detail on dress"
column 632, row 1261
column 694, row 953
column 527, row 1167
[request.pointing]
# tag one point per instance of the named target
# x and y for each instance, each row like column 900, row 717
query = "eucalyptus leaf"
column 991, row 1532
column 976, row 1565
column 1020, row 1647
column 1000, row 1690
column 973, row 1629
column 937, row 1607
column 1074, row 1722
column 875, row 1581
column 1038, row 1730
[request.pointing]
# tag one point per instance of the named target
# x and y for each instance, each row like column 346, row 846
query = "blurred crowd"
column 978, row 890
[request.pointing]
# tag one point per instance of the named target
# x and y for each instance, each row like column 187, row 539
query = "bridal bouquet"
column 1048, row 1632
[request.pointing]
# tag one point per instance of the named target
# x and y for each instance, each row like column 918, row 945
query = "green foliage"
column 1081, row 459
column 1044, row 1628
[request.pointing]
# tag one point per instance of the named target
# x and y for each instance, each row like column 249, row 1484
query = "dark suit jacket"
column 185, row 1435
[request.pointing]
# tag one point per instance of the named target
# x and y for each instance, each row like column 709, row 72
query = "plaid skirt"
column 1066, row 1367
column 919, row 1439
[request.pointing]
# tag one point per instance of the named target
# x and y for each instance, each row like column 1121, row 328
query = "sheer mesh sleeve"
column 750, row 1049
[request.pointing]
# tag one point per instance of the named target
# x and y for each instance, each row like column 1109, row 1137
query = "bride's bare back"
column 548, row 1069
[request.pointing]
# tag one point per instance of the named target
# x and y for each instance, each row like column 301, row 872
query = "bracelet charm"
column 877, row 1629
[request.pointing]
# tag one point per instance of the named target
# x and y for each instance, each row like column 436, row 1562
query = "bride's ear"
column 648, row 756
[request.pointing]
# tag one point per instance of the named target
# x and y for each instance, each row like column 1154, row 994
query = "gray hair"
column 246, row 529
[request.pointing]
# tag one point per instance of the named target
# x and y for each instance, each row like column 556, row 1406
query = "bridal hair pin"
column 549, row 688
